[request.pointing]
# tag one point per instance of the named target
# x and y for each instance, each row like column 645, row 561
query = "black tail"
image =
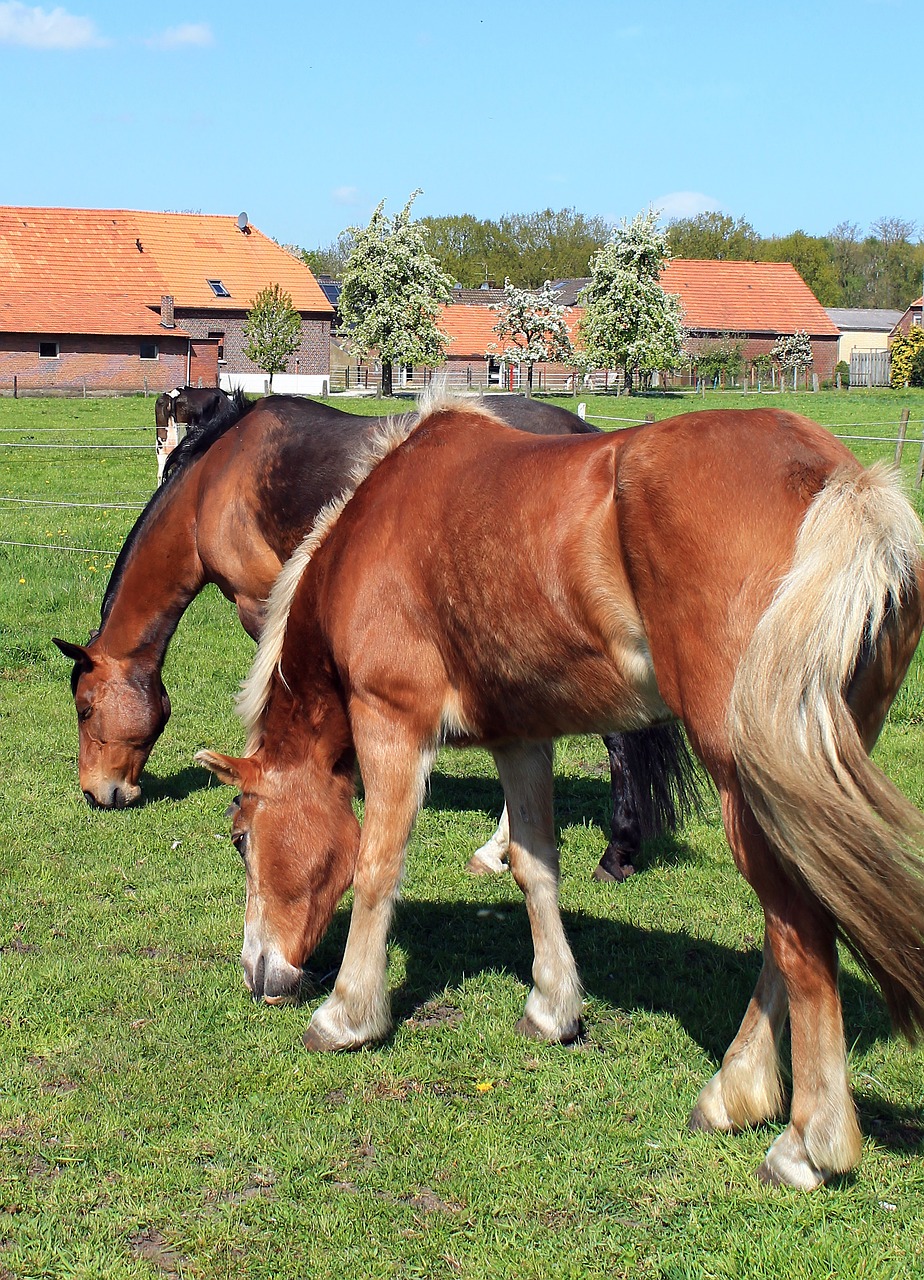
column 656, row 787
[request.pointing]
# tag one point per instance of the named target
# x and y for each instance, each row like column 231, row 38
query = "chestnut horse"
column 738, row 571
column 240, row 493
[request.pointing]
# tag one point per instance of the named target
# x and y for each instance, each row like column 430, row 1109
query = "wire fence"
column 12, row 502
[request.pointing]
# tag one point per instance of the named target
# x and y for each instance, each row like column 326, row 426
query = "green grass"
column 155, row 1122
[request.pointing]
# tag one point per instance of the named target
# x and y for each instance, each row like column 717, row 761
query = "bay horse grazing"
column 240, row 492
column 739, row 571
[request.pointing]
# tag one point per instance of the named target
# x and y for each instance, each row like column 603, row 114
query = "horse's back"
column 576, row 583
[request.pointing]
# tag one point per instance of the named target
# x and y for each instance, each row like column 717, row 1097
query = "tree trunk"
column 529, row 381
column 386, row 378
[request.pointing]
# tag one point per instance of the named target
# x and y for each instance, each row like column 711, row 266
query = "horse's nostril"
column 92, row 800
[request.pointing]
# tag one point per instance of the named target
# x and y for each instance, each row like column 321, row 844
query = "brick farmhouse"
column 118, row 300
column 752, row 302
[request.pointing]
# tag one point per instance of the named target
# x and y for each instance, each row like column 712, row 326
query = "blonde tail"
column 835, row 821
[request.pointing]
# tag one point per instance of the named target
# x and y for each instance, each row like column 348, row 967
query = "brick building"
column 116, row 300
column 752, row 302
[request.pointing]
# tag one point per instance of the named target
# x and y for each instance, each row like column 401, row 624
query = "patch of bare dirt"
column 150, row 1245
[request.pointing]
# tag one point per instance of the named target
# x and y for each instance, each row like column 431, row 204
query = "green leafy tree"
column 526, row 247
column 629, row 322
column 720, row 358
column 531, row 329
column 713, row 236
column 908, row 358
column 273, row 329
column 392, row 289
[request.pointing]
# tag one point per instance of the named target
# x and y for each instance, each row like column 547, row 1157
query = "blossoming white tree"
column 629, row 322
column 793, row 353
column 392, row 288
column 531, row 329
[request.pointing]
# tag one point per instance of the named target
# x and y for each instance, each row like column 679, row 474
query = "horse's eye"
column 84, row 713
column 239, row 840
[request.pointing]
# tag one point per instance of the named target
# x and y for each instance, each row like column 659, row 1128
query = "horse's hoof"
column 699, row 1122
column 317, row 1041
column 621, row 873
column 481, row 867
column 527, row 1027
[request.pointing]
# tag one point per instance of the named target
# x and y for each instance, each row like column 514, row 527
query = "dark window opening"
column 148, row 349
column 218, row 289
column 49, row 350
column 219, row 335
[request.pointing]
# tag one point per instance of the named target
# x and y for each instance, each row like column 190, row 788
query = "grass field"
column 156, row 1123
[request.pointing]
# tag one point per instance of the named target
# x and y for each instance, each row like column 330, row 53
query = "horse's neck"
column 160, row 577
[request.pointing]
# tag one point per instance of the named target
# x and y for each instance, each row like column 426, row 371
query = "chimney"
column 166, row 311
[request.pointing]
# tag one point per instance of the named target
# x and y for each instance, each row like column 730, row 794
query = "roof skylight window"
column 218, row 289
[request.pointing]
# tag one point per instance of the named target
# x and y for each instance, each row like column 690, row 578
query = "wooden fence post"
column 902, row 432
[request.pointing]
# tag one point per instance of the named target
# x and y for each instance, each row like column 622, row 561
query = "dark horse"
column 195, row 408
column 239, row 494
column 739, row 571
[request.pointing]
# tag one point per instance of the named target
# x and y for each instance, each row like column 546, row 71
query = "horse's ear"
column 232, row 772
column 76, row 652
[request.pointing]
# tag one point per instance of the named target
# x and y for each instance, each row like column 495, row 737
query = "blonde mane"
column 255, row 690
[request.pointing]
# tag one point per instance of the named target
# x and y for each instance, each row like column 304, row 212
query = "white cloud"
column 685, row 204
column 345, row 195
column 195, row 34
column 35, row 28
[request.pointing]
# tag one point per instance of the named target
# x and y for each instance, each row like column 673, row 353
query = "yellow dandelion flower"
column 484, row 1086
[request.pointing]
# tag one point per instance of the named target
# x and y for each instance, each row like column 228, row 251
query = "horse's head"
column 122, row 708
column 294, row 827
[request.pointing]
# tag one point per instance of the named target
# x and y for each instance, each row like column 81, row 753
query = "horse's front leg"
column 553, row 1008
column 395, row 771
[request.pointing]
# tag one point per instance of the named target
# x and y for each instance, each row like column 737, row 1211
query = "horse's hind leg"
column 625, row 828
column 822, row 1137
column 553, row 1008
column 746, row 1090
column 490, row 857
column 394, row 776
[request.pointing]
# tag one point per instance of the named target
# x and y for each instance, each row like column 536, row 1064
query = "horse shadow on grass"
column 704, row 985
column 173, row 786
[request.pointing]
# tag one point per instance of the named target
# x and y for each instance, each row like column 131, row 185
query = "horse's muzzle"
column 272, row 979
column 112, row 795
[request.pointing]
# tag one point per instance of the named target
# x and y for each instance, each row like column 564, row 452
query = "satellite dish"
column 242, row 221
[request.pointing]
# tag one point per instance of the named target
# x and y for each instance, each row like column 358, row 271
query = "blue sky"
column 306, row 114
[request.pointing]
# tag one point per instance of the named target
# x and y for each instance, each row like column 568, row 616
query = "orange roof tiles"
column 53, row 313
column 745, row 297
column 145, row 255
column 470, row 329
column 719, row 297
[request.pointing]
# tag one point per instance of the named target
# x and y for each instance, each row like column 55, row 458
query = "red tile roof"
column 470, row 329
column 745, row 297
column 719, row 297
column 110, row 252
column 53, row 314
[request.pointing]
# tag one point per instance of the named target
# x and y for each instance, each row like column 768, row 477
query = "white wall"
column 289, row 384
